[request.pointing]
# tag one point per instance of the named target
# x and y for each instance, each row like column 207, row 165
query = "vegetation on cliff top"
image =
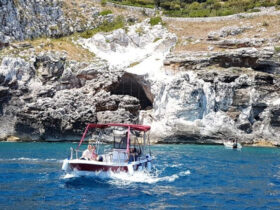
column 202, row 8
column 155, row 20
column 75, row 51
column 193, row 36
column 25, row 49
column 106, row 26
column 137, row 3
column 105, row 12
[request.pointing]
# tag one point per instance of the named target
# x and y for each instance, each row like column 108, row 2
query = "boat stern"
column 65, row 165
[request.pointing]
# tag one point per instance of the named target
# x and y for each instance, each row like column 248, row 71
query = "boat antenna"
column 127, row 143
column 144, row 138
column 98, row 140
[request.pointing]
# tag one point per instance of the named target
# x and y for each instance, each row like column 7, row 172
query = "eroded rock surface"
column 29, row 19
column 216, row 96
column 200, row 97
column 127, row 48
column 264, row 59
column 50, row 98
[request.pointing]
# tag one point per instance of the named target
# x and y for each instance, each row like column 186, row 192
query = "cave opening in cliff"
column 128, row 85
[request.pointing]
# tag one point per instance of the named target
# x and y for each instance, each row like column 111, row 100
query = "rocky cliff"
column 45, row 95
column 30, row 19
column 135, row 74
column 216, row 96
column 52, row 98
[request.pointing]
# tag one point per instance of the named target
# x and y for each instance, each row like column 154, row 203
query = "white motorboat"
column 232, row 144
column 128, row 154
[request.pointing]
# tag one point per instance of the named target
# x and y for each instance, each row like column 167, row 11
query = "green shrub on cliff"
column 277, row 49
column 155, row 20
column 106, row 12
column 106, row 26
column 103, row 3
column 137, row 3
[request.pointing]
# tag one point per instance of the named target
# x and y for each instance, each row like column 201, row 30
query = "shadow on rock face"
column 128, row 85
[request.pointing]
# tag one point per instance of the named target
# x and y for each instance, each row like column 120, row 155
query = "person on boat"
column 87, row 154
column 132, row 154
column 93, row 153
column 123, row 141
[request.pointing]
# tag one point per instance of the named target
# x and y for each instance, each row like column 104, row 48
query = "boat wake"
column 123, row 178
column 25, row 159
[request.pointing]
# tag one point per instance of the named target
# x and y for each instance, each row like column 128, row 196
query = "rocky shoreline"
column 134, row 75
column 17, row 140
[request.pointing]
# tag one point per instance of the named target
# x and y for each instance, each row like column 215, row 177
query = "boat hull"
column 231, row 145
column 97, row 168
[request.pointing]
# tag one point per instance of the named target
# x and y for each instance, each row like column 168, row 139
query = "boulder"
column 240, row 43
column 13, row 139
column 227, row 31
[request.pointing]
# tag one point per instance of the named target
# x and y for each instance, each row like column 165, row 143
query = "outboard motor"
column 130, row 169
column 65, row 165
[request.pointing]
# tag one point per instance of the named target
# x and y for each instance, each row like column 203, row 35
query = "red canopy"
column 132, row 126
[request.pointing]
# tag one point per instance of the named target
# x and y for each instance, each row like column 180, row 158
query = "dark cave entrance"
column 128, row 85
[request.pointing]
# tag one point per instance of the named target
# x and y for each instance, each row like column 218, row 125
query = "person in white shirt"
column 87, row 154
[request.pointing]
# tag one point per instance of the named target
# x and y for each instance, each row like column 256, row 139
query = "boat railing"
column 114, row 156
column 76, row 152
column 107, row 157
column 119, row 155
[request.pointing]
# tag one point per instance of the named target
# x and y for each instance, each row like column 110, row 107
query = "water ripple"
column 184, row 177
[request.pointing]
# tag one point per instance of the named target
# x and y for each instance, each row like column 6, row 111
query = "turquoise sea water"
column 184, row 177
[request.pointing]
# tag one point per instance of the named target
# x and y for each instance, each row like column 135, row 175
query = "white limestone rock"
column 138, row 43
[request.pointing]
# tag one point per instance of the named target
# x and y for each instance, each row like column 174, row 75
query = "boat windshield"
column 120, row 141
